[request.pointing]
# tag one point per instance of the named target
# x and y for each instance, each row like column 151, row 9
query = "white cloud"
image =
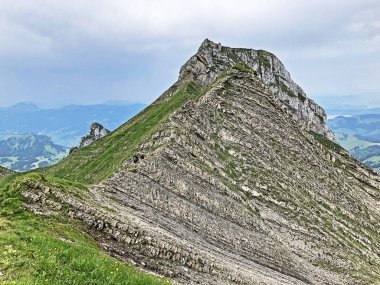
column 131, row 24
column 16, row 40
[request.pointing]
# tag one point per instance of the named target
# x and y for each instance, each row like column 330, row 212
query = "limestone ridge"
column 212, row 59
column 97, row 131
column 229, row 190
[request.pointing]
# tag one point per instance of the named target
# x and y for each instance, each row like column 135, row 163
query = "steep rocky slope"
column 236, row 182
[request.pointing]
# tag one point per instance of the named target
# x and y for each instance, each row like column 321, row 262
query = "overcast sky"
column 56, row 52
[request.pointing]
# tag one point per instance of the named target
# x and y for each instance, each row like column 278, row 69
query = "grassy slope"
column 51, row 250
column 101, row 159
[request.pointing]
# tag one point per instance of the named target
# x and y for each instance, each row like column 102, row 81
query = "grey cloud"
column 91, row 49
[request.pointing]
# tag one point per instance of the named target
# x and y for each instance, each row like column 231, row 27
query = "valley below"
column 31, row 137
column 360, row 135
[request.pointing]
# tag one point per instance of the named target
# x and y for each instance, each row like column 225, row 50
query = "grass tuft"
column 242, row 67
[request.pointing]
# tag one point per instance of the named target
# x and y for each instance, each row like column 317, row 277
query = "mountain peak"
column 209, row 44
column 212, row 59
column 97, row 131
column 24, row 107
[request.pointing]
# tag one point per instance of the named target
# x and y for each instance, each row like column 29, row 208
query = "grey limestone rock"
column 212, row 59
column 97, row 131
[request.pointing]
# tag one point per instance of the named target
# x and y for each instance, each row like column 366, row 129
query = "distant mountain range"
column 360, row 135
column 65, row 125
column 29, row 151
column 347, row 111
column 32, row 137
column 349, row 105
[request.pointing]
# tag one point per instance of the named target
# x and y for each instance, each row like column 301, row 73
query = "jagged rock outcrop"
column 233, row 188
column 97, row 131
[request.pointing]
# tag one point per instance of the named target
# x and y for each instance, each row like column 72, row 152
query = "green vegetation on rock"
column 301, row 97
column 242, row 67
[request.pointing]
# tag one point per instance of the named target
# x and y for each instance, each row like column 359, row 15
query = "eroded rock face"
column 212, row 59
column 234, row 189
column 97, row 131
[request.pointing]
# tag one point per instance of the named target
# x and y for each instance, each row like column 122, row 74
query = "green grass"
column 101, row 159
column 242, row 67
column 56, row 250
column 52, row 250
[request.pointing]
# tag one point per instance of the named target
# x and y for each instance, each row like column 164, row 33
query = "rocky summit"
column 212, row 59
column 97, row 131
column 230, row 177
